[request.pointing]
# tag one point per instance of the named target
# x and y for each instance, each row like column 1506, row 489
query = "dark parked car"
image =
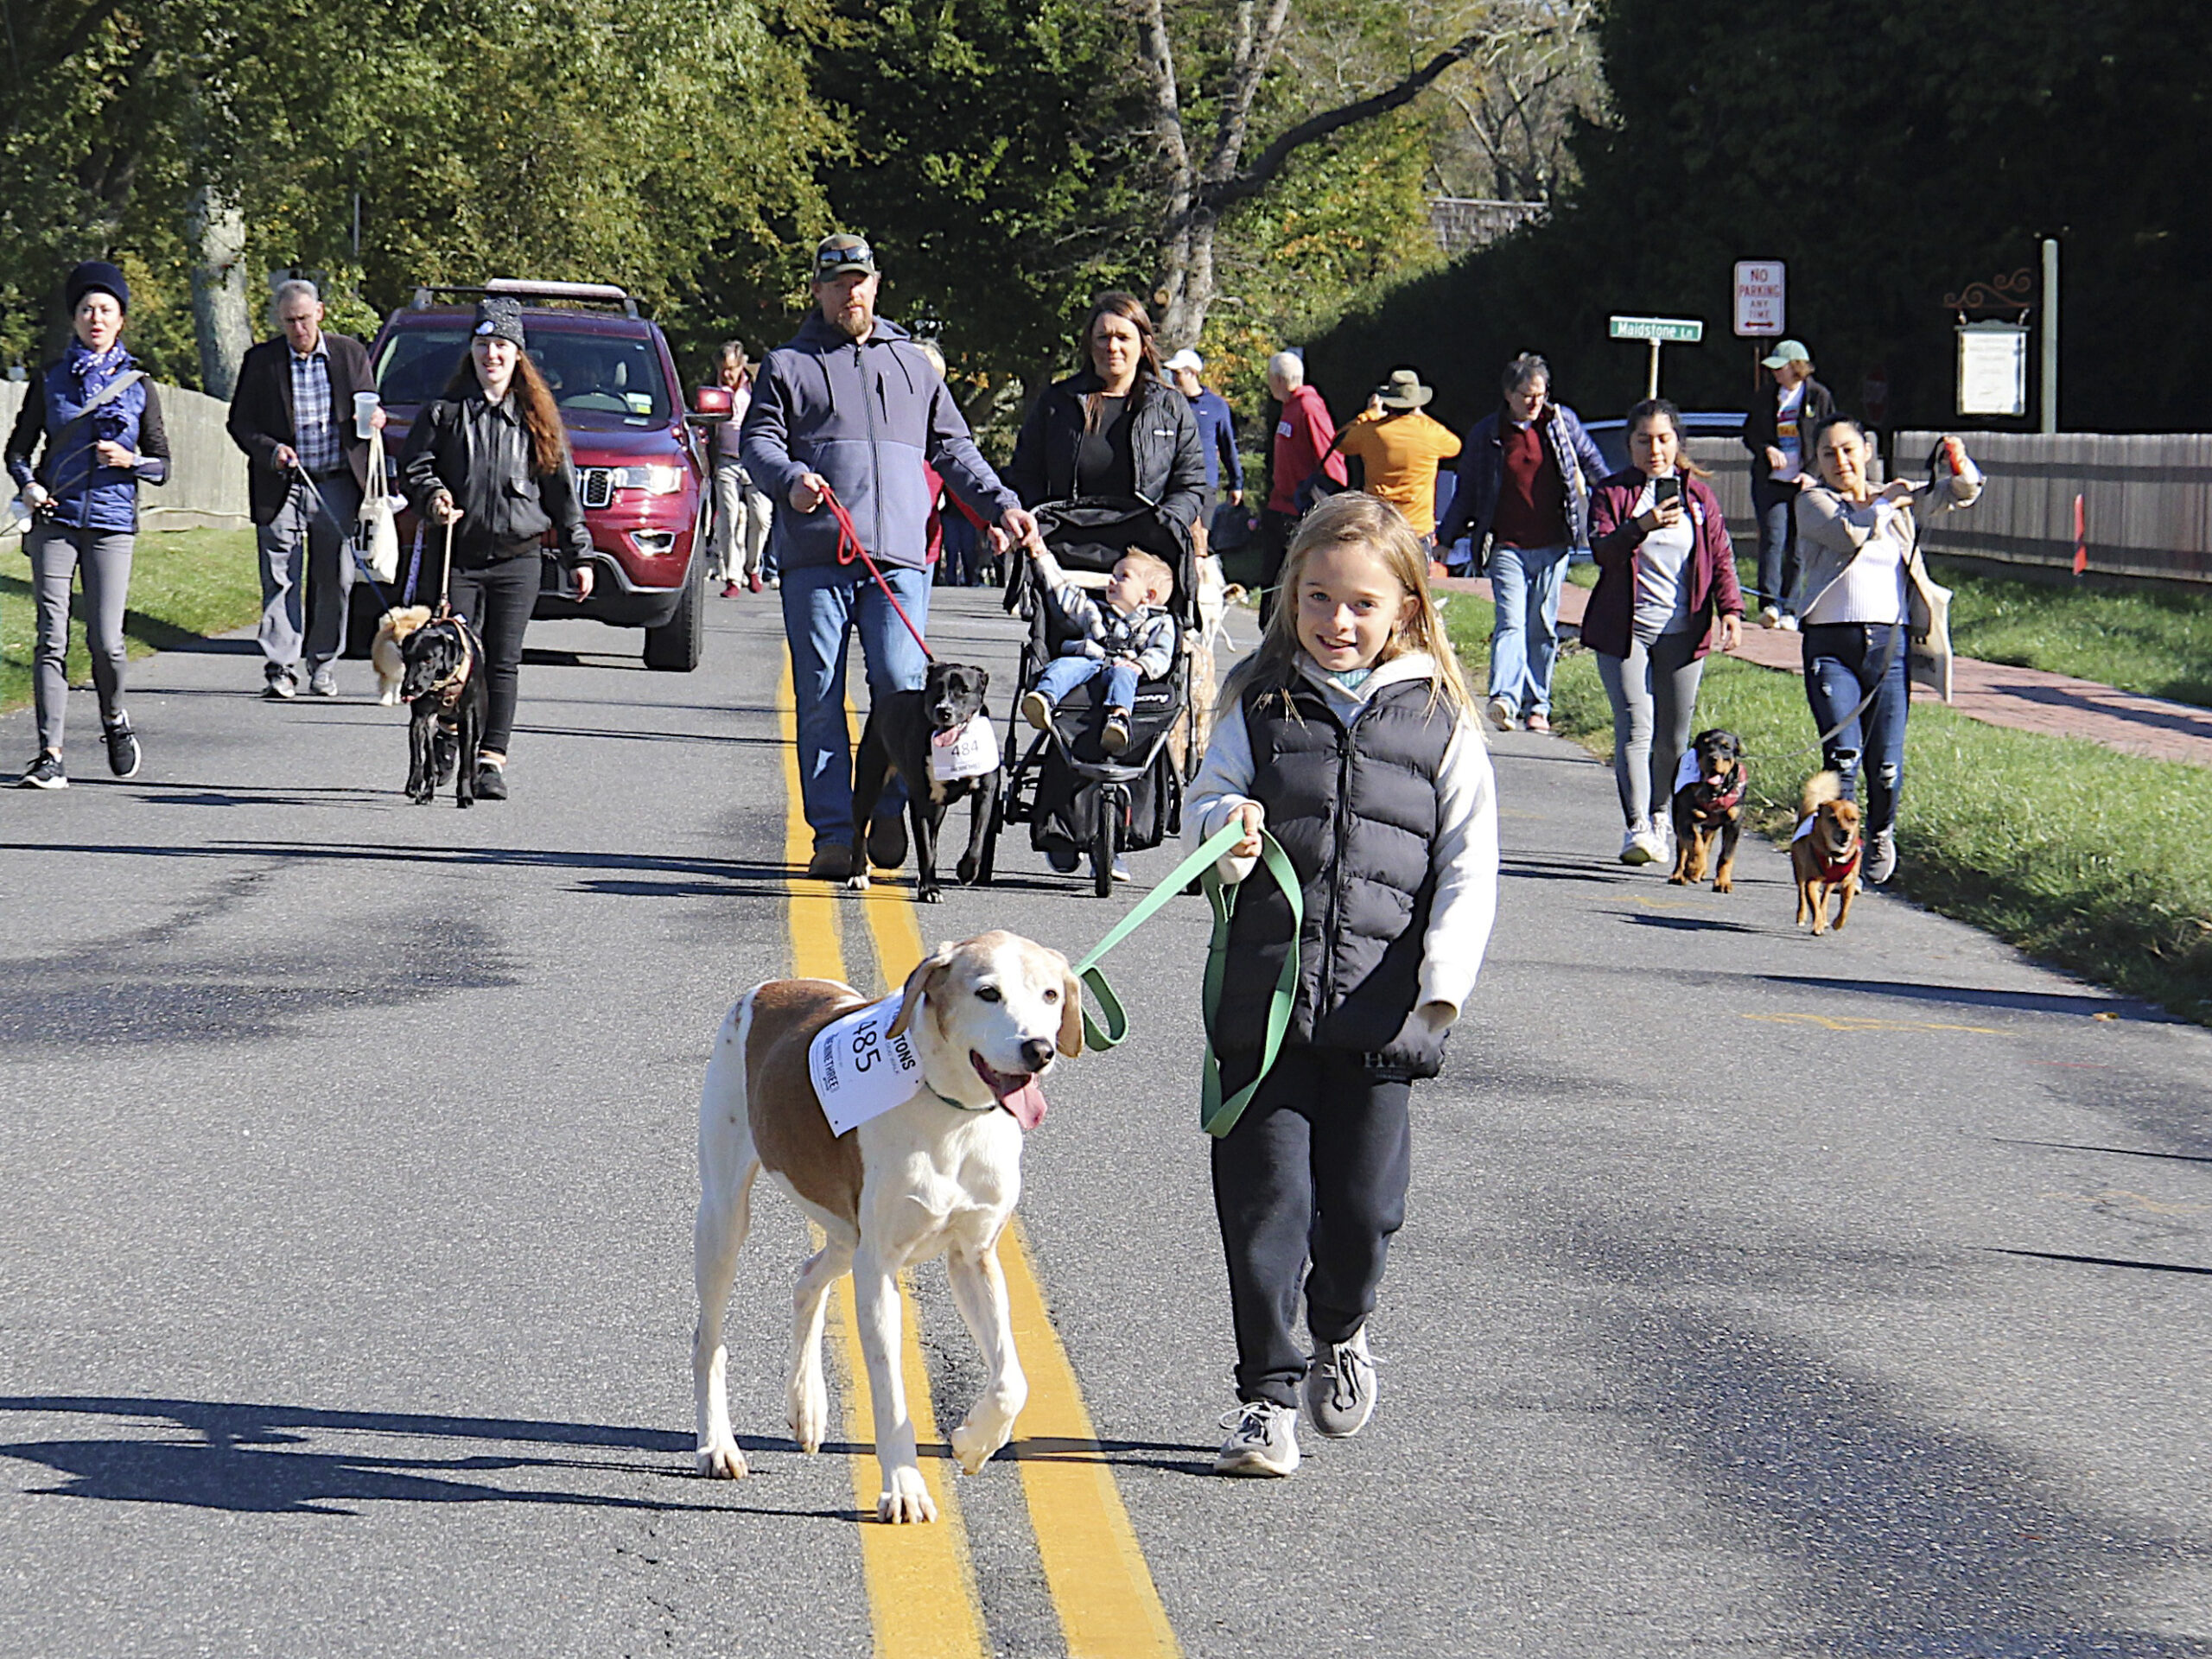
column 641, row 468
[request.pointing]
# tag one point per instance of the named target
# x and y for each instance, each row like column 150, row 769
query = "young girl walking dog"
column 1350, row 735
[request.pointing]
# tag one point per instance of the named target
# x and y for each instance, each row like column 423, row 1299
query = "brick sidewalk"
column 2026, row 699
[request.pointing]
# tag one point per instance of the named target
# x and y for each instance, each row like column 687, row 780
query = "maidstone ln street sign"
column 1674, row 331
column 1658, row 331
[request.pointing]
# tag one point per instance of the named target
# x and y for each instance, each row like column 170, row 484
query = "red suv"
column 641, row 468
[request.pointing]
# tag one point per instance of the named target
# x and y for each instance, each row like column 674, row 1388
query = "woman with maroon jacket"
column 1664, row 568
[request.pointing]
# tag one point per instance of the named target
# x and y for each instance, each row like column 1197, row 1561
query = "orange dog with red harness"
column 1826, row 852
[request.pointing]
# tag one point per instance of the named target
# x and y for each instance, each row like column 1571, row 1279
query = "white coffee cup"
column 365, row 413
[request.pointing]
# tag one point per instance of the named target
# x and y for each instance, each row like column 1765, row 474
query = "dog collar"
column 1841, row 868
column 960, row 1106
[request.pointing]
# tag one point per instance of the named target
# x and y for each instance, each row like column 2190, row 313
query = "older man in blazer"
column 293, row 414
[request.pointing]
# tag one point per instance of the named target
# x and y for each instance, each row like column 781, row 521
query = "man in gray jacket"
column 850, row 404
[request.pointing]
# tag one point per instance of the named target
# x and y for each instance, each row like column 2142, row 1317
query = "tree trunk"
column 222, row 316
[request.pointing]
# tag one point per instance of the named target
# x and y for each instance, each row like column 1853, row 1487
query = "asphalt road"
column 1761, row 1294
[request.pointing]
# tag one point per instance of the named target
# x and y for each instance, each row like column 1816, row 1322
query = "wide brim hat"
column 1403, row 391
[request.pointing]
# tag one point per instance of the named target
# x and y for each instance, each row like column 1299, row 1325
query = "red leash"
column 849, row 548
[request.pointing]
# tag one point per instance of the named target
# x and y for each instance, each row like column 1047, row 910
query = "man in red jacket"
column 1305, row 444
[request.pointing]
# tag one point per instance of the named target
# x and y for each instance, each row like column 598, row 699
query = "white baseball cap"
column 1186, row 358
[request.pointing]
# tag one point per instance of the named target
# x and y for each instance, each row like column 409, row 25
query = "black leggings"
column 1315, row 1169
column 496, row 599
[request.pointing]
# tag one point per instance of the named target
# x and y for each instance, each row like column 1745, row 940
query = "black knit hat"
column 96, row 277
column 498, row 318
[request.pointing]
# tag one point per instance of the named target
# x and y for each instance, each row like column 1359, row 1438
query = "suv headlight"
column 653, row 481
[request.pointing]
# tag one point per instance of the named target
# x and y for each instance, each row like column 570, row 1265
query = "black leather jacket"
column 479, row 453
column 1170, row 466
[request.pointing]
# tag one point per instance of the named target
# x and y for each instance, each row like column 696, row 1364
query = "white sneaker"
column 1789, row 624
column 1636, row 844
column 1262, row 1441
column 1502, row 714
column 1770, row 617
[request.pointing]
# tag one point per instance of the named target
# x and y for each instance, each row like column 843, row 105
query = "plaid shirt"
column 315, row 433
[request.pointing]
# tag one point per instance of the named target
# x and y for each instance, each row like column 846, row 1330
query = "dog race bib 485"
column 860, row 1070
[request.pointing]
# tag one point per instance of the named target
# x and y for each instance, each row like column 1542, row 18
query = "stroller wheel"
column 1103, row 841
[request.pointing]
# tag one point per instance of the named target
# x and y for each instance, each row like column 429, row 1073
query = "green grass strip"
column 185, row 585
column 2098, row 862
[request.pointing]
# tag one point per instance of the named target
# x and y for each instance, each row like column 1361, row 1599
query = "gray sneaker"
column 1881, row 856
column 322, row 683
column 1340, row 1387
column 1262, row 1441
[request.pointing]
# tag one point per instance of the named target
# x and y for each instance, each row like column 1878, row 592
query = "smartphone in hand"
column 1666, row 489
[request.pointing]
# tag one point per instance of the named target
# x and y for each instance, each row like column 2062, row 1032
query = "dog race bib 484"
column 860, row 1070
column 966, row 751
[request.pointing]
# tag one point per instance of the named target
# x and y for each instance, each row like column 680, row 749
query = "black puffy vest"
column 1356, row 810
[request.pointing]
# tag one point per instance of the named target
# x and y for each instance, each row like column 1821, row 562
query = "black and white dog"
column 938, row 740
column 443, row 684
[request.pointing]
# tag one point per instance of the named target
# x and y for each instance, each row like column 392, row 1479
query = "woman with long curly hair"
column 489, row 460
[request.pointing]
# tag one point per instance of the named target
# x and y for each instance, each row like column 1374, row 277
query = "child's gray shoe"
column 1340, row 1387
column 1262, row 1441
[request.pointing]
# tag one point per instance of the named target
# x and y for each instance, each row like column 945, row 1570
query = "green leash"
column 1216, row 1115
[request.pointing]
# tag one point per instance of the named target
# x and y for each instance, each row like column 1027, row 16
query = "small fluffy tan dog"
column 1826, row 851
column 937, row 1174
column 1215, row 595
column 391, row 634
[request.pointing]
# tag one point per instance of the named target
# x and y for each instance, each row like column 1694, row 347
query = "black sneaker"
column 280, row 688
column 886, row 842
column 1115, row 738
column 830, row 862
column 491, row 783
column 44, row 772
column 122, row 748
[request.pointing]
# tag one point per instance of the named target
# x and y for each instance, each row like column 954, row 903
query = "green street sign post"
column 1659, row 331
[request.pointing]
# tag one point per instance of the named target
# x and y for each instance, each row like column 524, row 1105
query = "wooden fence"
column 2146, row 501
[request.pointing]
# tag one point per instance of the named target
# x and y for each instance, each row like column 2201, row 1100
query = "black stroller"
column 1073, row 795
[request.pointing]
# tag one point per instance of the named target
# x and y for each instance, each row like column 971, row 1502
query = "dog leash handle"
column 1216, row 1115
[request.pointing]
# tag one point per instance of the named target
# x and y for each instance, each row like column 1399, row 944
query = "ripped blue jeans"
column 1844, row 661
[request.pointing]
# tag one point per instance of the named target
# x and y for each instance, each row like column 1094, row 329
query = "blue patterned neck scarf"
column 94, row 369
column 1351, row 678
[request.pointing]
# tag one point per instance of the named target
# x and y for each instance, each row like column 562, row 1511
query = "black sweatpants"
column 1315, row 1170
column 498, row 598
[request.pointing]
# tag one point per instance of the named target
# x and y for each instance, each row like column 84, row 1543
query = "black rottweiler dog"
column 902, row 730
column 1708, row 803
column 443, row 684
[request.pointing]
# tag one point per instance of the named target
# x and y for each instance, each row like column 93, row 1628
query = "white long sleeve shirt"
column 1464, row 857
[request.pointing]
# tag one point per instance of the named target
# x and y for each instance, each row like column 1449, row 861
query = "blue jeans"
column 1524, row 584
column 1778, row 554
column 1844, row 661
column 1063, row 674
column 823, row 604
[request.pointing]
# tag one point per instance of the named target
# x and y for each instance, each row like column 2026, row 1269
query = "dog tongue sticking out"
column 1017, row 1091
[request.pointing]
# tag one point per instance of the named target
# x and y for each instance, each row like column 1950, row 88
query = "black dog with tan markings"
column 443, row 686
column 1709, row 803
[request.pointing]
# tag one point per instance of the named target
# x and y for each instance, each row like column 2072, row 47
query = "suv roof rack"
column 601, row 294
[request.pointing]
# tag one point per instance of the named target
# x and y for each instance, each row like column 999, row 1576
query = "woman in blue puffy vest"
column 89, row 432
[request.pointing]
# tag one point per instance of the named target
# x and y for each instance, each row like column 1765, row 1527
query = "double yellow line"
column 921, row 1586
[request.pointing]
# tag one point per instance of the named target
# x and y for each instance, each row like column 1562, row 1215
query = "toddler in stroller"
column 1087, row 783
column 1126, row 635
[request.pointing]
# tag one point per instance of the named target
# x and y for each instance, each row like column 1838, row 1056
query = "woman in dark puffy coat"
column 489, row 460
column 100, row 420
column 1117, row 429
